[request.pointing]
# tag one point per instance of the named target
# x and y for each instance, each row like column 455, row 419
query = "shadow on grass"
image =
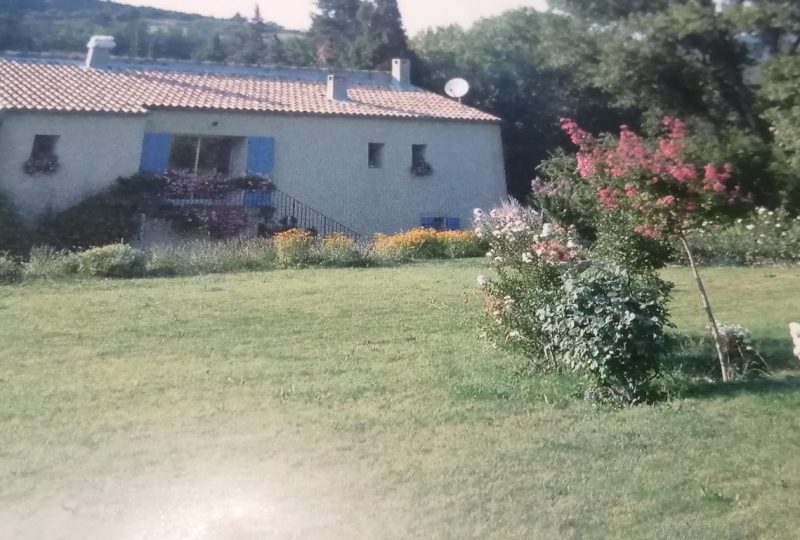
column 783, row 385
column 696, row 362
column 696, row 356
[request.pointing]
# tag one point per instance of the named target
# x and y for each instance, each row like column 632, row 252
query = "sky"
column 294, row 14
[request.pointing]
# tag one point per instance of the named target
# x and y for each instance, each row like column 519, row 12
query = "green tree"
column 509, row 63
column 335, row 27
column 693, row 59
column 214, row 51
column 387, row 25
column 781, row 95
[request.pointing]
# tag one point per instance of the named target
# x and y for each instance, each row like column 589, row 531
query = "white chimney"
column 337, row 88
column 401, row 71
column 99, row 51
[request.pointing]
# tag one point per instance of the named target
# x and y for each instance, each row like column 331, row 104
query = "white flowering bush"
column 566, row 312
column 763, row 237
column 743, row 350
column 509, row 230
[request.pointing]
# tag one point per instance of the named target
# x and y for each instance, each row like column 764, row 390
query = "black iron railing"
column 288, row 211
column 302, row 216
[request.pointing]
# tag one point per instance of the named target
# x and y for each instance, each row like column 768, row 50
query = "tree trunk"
column 722, row 353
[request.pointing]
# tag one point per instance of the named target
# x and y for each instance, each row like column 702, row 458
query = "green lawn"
column 362, row 404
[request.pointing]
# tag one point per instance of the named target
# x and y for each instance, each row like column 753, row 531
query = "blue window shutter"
column 156, row 149
column 429, row 222
column 260, row 155
column 453, row 224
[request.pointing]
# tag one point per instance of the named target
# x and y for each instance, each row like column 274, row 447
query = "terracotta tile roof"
column 36, row 86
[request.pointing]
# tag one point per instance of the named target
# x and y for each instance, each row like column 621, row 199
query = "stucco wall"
column 93, row 150
column 320, row 161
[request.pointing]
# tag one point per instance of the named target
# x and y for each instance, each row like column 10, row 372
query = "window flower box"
column 41, row 165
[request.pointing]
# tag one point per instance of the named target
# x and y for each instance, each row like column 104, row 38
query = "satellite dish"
column 456, row 88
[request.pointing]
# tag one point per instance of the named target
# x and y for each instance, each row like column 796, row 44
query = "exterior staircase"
column 295, row 214
column 267, row 212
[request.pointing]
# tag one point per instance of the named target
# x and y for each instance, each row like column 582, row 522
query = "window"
column 418, row 155
column 43, row 159
column 209, row 155
column 441, row 223
column 375, row 155
column 419, row 164
column 44, row 146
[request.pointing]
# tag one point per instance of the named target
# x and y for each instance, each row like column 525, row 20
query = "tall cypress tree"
column 388, row 25
column 335, row 28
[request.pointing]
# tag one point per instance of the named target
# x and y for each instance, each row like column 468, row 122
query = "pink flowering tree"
column 658, row 189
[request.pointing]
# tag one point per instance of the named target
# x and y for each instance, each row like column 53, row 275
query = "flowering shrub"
column 41, row 165
column 509, row 230
column 460, row 244
column 189, row 185
column 617, row 241
column 421, row 169
column 653, row 182
column 566, row 312
column 657, row 190
column 762, row 237
column 114, row 261
column 340, row 250
column 420, row 243
column 423, row 243
column 251, row 182
column 218, row 221
column 295, row 248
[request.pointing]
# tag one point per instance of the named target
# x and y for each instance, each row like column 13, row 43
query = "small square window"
column 375, row 155
column 419, row 164
column 43, row 158
column 44, row 146
column 418, row 155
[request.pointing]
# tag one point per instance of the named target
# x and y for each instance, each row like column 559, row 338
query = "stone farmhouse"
column 366, row 150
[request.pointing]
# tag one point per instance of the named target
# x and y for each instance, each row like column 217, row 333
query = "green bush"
column 462, row 244
column 114, row 261
column 617, row 242
column 761, row 238
column 10, row 269
column 566, row 312
column 102, row 219
column 13, row 237
column 610, row 325
column 211, row 257
column 46, row 262
column 338, row 250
